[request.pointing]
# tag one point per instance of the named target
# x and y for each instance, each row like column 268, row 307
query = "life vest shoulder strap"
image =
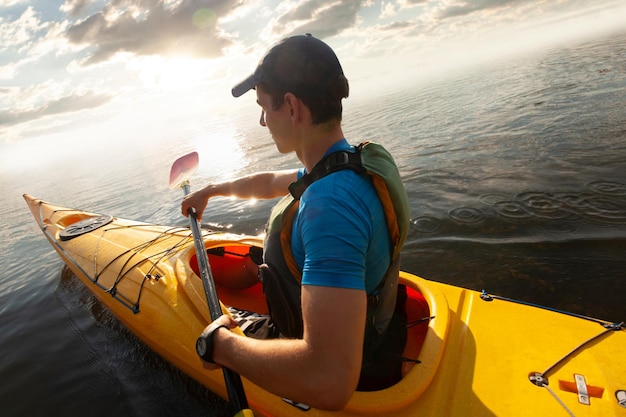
column 373, row 159
column 333, row 162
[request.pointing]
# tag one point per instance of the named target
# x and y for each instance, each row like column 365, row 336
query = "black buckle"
column 336, row 161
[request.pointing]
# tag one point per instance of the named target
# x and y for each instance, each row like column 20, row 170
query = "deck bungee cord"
column 485, row 296
column 136, row 251
column 616, row 327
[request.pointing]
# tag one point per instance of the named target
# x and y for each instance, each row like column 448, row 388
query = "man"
column 327, row 279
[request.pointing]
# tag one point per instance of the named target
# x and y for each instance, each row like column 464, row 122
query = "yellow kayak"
column 468, row 353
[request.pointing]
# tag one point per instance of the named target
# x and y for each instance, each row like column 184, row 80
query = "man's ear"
column 298, row 111
column 292, row 103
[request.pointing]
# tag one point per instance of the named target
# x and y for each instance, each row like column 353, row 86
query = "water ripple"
column 606, row 205
column 609, row 188
column 425, row 224
column 491, row 199
column 511, row 209
column 466, row 215
column 543, row 205
column 535, row 211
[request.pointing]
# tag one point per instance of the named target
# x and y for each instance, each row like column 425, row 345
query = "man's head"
column 308, row 68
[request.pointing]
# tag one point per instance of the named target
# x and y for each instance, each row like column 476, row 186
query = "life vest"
column 282, row 278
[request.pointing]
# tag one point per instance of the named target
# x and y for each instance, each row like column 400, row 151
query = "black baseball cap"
column 302, row 64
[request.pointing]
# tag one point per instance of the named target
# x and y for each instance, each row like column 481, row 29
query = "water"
column 515, row 174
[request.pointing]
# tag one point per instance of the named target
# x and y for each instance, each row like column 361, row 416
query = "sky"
column 94, row 71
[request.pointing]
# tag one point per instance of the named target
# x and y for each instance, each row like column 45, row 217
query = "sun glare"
column 181, row 73
column 170, row 73
column 221, row 154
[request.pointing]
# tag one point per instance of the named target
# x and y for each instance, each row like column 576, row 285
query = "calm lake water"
column 516, row 173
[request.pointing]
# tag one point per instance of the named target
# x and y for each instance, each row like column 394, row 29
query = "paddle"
column 181, row 171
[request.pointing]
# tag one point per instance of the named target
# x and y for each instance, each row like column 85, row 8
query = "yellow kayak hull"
column 477, row 356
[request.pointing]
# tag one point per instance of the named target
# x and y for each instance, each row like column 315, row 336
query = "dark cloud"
column 329, row 17
column 462, row 8
column 67, row 104
column 148, row 27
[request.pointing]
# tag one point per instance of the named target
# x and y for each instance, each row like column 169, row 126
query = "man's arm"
column 263, row 185
column 323, row 368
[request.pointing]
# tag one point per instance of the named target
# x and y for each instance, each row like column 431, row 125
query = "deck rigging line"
column 490, row 297
column 613, row 328
column 127, row 267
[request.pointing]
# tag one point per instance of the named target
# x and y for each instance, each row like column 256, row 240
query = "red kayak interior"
column 235, row 273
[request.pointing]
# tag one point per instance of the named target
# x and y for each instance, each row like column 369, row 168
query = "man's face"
column 277, row 121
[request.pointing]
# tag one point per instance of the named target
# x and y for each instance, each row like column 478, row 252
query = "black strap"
column 333, row 162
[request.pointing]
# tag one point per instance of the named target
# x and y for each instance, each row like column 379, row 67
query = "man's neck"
column 315, row 142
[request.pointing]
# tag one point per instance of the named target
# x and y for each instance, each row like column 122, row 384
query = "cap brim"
column 246, row 85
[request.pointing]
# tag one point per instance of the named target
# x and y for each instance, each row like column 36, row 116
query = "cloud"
column 10, row 3
column 413, row 2
column 62, row 105
column 396, row 25
column 19, row 31
column 75, row 7
column 462, row 8
column 388, row 10
column 322, row 18
column 144, row 27
column 26, row 40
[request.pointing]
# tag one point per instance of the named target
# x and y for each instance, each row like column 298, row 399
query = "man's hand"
column 197, row 201
column 212, row 332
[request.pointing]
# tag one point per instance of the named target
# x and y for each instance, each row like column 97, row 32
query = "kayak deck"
column 469, row 355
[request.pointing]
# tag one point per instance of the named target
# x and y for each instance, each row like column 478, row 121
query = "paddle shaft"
column 203, row 263
column 234, row 386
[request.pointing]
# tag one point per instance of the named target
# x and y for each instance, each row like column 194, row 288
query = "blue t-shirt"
column 339, row 236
